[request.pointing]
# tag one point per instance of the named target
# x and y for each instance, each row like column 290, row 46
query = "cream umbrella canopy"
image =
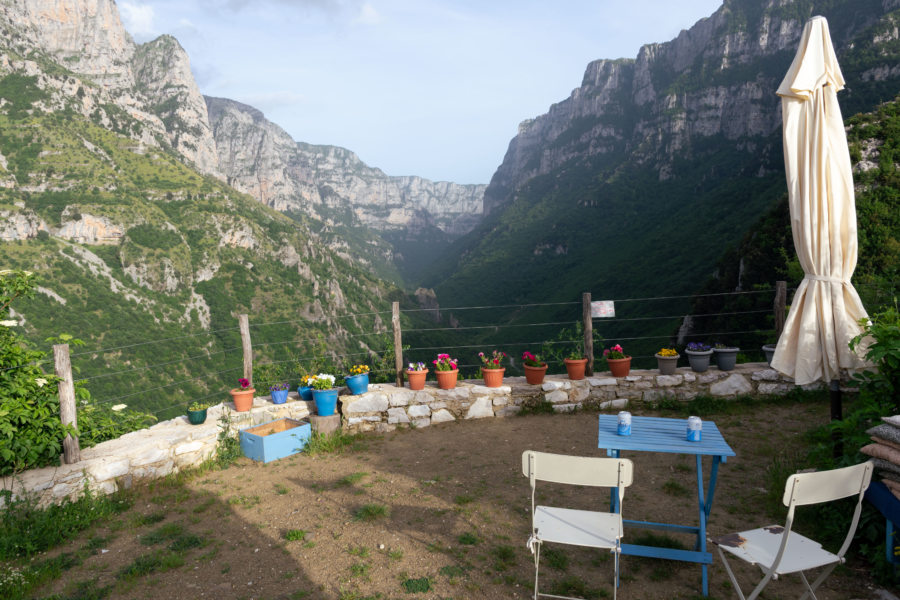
column 826, row 309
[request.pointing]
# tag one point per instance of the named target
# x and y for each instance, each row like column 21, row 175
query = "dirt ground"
column 443, row 509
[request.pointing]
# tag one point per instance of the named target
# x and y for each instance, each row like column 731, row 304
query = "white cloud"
column 138, row 20
column 368, row 15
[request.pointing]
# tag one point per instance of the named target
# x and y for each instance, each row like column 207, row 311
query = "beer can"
column 624, row 423
column 694, row 429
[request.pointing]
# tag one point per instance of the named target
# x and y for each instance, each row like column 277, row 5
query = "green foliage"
column 371, row 512
column 881, row 342
column 418, row 585
column 328, row 443
column 153, row 237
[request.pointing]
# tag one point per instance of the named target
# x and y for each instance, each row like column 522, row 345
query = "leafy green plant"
column 370, row 512
column 880, row 341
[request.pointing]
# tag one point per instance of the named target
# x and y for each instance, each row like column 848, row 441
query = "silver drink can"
column 624, row 423
column 694, row 429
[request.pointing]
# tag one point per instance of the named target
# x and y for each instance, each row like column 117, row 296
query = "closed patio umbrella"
column 826, row 309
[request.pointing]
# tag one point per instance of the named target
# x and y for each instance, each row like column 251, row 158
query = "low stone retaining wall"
column 384, row 406
column 175, row 444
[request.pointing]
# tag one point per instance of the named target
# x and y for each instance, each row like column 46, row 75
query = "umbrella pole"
column 836, row 437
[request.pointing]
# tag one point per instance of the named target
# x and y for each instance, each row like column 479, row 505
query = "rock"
column 565, row 408
column 480, row 409
column 557, row 396
column 735, row 384
column 419, row 410
column 598, row 382
column 397, row 415
column 766, row 375
column 669, row 380
column 617, row 403
column 403, row 398
column 551, row 384
column 442, row 416
column 370, row 402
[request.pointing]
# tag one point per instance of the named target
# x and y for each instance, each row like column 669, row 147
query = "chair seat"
column 577, row 527
column 759, row 547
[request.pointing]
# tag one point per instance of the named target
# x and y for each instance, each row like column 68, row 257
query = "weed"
column 555, row 558
column 156, row 562
column 452, row 571
column 658, row 540
column 417, row 586
column 360, row 570
column 468, row 539
column 673, row 488
column 504, row 557
column 245, row 501
column 203, row 506
column 464, row 499
column 281, row 489
column 360, row 551
column 370, row 512
column 295, row 535
column 575, row 586
column 88, row 590
column 167, row 532
column 395, row 554
column 351, row 479
column 186, row 542
column 151, row 519
column 330, row 443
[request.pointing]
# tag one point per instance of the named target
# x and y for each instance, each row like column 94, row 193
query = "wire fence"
column 160, row 377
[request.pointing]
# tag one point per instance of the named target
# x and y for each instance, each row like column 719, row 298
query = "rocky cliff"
column 150, row 83
column 261, row 159
column 716, row 79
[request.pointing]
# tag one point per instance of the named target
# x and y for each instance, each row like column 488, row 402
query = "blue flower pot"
column 326, row 401
column 279, row 396
column 358, row 384
column 305, row 392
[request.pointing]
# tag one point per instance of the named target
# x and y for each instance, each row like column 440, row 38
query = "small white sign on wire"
column 603, row 309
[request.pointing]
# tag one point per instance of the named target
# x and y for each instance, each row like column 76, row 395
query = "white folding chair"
column 570, row 526
column 777, row 550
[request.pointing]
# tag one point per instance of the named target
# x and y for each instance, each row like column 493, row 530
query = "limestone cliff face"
column 152, row 83
column 716, row 79
column 261, row 159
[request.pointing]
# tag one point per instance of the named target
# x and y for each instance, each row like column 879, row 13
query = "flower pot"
column 305, row 392
column 619, row 367
column 196, row 417
column 769, row 349
column 447, row 379
column 699, row 360
column 726, row 358
column 493, row 377
column 535, row 375
column 279, row 396
column 326, row 401
column 575, row 367
column 358, row 384
column 243, row 399
column 667, row 364
column 416, row 379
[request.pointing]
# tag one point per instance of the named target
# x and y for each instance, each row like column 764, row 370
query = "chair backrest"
column 826, row 486
column 577, row 470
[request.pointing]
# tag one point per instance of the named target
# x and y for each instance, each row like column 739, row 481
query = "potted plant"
column 196, row 412
column 575, row 364
column 667, row 361
column 416, row 374
column 698, row 355
column 242, row 396
column 446, row 371
column 619, row 362
column 769, row 350
column 358, row 381
column 279, row 392
column 726, row 356
column 535, row 368
column 491, row 369
column 305, row 387
column 324, row 394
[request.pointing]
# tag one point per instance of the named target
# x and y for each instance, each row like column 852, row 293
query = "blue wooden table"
column 654, row 434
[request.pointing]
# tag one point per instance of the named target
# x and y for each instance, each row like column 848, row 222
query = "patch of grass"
column 783, row 465
column 464, row 499
column 245, row 501
column 468, row 539
column 452, row 571
column 504, row 557
column 88, row 590
column 360, row 569
column 395, row 554
column 360, row 551
column 167, row 532
column 416, row 586
column 184, row 543
column 151, row 519
column 370, row 512
column 575, row 586
column 204, row 506
column 537, row 408
column 658, row 540
column 281, row 489
column 555, row 559
column 351, row 479
column 331, row 443
column 673, row 488
column 158, row 561
column 295, row 535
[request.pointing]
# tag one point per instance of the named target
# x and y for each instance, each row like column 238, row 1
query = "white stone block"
column 376, row 402
column 550, row 385
column 617, row 403
column 766, row 375
column 401, row 398
column 603, row 381
column 150, row 456
column 669, row 380
column 419, row 410
column 104, row 469
column 710, row 376
column 690, row 377
column 557, row 397
column 508, row 411
column 442, row 416
column 581, row 394
column 423, row 397
column 643, row 385
column 480, row 409
column 423, row 422
column 566, row 408
column 500, row 400
column 733, row 385
column 438, row 405
column 633, row 378
column 397, row 415
column 189, row 447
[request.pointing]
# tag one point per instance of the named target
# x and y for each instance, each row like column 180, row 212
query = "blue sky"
column 434, row 88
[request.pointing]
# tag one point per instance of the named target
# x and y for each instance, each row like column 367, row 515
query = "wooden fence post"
column 398, row 342
column 588, row 332
column 780, row 303
column 68, row 414
column 244, row 323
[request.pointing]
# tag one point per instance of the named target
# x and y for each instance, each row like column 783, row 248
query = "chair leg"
column 811, row 589
column 616, row 580
column 537, row 561
column 728, row 570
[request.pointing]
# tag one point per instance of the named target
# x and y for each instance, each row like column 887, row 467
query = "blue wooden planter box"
column 275, row 439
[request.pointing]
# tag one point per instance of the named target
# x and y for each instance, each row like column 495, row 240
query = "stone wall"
column 173, row 445
column 385, row 407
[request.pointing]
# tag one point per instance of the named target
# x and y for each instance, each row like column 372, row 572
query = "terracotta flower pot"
column 619, row 367
column 493, row 377
column 575, row 367
column 667, row 364
column 535, row 375
column 242, row 398
column 447, row 379
column 417, row 379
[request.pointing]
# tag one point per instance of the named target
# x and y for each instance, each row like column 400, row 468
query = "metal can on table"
column 624, row 423
column 694, row 429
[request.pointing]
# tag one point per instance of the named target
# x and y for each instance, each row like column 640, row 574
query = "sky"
column 434, row 88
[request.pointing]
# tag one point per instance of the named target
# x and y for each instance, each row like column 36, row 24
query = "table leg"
column 701, row 534
column 713, row 474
